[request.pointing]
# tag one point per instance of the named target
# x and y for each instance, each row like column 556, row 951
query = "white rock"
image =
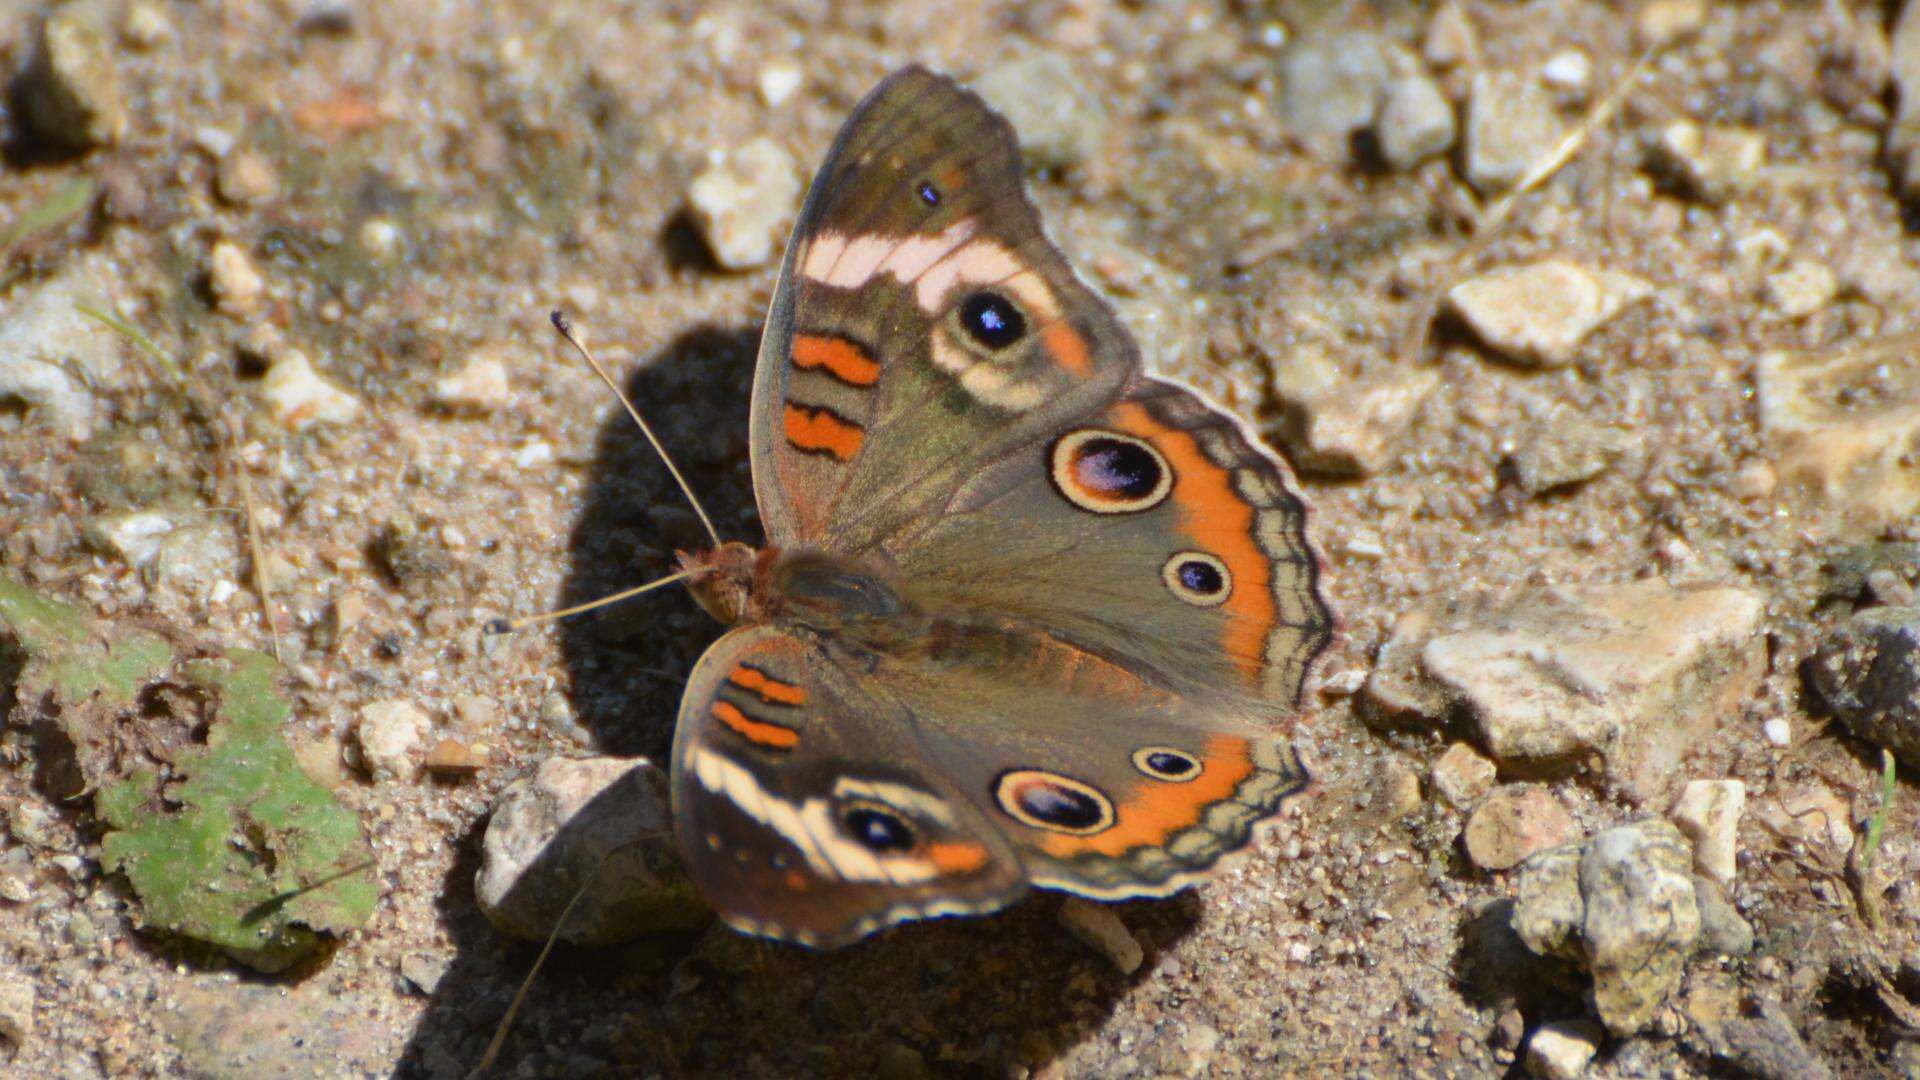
column 533, row 453
column 380, row 237
column 390, row 733
column 743, row 202
column 1801, row 289
column 1778, row 732
column 480, row 386
column 1709, row 814
column 778, row 81
column 1538, row 313
column 1569, row 70
column 1842, row 427
column 236, row 286
column 298, row 397
column 1450, row 39
column 16, row 1007
column 50, row 354
column 1510, row 127
column 1346, row 427
column 135, row 538
column 1097, row 927
column 1664, row 22
column 1635, row 673
column 1415, row 123
column 1561, row 1050
column 1332, row 86
column 1712, row 163
column 598, row 823
column 146, row 24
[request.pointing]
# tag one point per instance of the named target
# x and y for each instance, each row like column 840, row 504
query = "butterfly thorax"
column 830, row 593
column 860, row 606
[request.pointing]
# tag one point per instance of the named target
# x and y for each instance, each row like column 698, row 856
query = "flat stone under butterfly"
column 1026, row 615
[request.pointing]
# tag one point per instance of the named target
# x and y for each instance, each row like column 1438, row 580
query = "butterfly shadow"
column 966, row 997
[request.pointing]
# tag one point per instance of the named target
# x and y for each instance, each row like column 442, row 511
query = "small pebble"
column 244, row 179
column 1667, row 22
column 1801, row 289
column 1709, row 814
column 1450, row 39
column 1561, row 1050
column 1514, row 823
column 70, row 90
column 480, row 386
column 1712, row 163
column 31, row 824
column 1415, row 123
column 452, row 757
column 1462, row 776
column 390, row 733
column 17, row 1000
column 425, row 972
column 236, row 286
column 1754, row 480
column 778, row 81
column 299, row 398
column 132, row 538
column 1778, row 732
column 1538, row 313
column 1568, row 71
column 145, row 24
column 1097, row 927
column 744, row 201
column 380, row 238
column 1333, row 86
column 1511, row 126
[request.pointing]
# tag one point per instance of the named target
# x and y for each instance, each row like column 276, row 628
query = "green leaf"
column 224, row 840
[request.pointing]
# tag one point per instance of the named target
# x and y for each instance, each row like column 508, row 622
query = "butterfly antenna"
column 561, row 323
column 508, row 626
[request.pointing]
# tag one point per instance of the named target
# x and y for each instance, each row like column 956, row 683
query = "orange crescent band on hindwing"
column 1220, row 522
column 956, row 856
column 836, row 356
column 758, row 732
column 766, row 687
column 1154, row 811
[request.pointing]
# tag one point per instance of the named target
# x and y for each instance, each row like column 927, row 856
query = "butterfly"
column 1026, row 616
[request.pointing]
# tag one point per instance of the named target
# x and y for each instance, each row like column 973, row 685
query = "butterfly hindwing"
column 804, row 807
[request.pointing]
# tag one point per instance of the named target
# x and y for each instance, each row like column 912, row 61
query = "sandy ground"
column 532, row 155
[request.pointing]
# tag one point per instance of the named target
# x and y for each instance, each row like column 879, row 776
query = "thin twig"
column 200, row 401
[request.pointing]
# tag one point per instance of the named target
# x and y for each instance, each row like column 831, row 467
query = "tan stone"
column 1844, row 433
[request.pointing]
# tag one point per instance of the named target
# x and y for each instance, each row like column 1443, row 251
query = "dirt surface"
column 444, row 173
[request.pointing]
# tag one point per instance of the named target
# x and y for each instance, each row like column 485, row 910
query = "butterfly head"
column 729, row 581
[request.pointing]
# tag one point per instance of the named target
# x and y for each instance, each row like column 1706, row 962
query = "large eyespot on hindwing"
column 1200, row 579
column 1106, row 472
column 1047, row 800
column 1167, row 763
